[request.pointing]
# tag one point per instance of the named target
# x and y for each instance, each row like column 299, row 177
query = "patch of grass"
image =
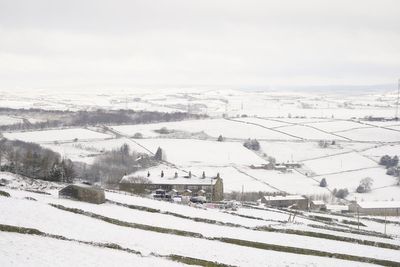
column 322, row 218
column 352, row 231
column 30, row 198
column 37, row 191
column 20, row 230
column 194, row 261
column 353, row 223
column 381, row 220
column 4, row 194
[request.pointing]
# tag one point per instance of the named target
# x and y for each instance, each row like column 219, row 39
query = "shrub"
column 4, row 194
column 387, row 161
column 342, row 193
column 323, row 183
column 365, row 185
column 138, row 136
column 159, row 154
column 252, row 144
column 163, row 130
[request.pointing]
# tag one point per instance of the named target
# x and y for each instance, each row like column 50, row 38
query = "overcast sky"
column 172, row 43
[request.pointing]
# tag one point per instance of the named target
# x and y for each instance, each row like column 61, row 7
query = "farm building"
column 378, row 208
column 286, row 201
column 83, row 192
column 210, row 187
column 292, row 165
column 317, row 205
column 337, row 208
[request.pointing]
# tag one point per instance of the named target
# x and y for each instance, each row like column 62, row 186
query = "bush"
column 323, row 183
column 341, row 193
column 159, row 154
column 138, row 136
column 35, row 162
column 252, row 144
column 220, row 138
column 365, row 185
column 4, row 194
column 113, row 165
column 388, row 162
column 394, row 171
column 163, row 130
column 323, row 144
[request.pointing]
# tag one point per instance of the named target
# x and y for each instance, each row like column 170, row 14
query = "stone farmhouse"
column 210, row 187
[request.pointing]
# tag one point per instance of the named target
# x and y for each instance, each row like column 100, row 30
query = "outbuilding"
column 317, row 205
column 377, row 208
column 286, row 201
column 83, row 192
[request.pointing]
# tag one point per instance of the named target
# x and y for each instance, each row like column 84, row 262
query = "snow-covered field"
column 308, row 133
column 373, row 134
column 7, row 120
column 212, row 101
column 288, row 125
column 48, row 136
column 186, row 152
column 26, row 250
column 152, row 244
column 337, row 125
column 212, row 127
column 339, row 163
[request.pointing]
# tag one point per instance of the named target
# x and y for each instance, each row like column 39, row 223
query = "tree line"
column 91, row 118
column 111, row 166
column 34, row 161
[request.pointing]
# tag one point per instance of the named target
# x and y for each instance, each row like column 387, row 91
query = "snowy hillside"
column 148, row 232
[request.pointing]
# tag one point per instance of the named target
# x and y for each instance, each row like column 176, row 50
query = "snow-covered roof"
column 318, row 202
column 287, row 197
column 280, row 167
column 173, row 180
column 379, row 204
column 337, row 207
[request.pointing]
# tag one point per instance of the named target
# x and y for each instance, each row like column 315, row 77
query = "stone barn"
column 376, row 208
column 286, row 201
column 317, row 205
column 84, row 193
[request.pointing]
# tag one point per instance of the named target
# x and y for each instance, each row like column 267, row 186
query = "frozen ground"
column 211, row 101
column 39, row 215
column 288, row 125
column 48, row 136
column 212, row 127
column 26, row 250
column 7, row 120
column 188, row 152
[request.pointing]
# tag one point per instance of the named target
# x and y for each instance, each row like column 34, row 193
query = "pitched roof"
column 379, row 204
column 287, row 197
